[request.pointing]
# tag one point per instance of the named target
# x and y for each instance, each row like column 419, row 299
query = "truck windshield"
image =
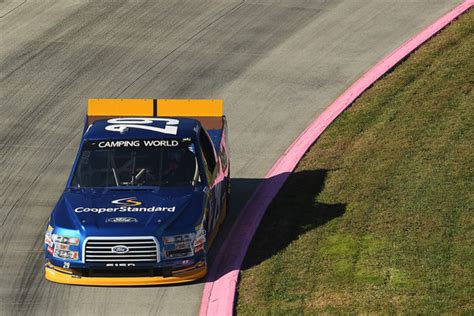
column 147, row 162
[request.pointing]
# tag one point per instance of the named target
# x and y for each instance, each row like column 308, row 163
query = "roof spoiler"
column 208, row 112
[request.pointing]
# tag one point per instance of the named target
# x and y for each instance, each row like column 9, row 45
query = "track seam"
column 7, row 13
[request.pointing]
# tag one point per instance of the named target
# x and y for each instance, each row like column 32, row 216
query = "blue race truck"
column 146, row 195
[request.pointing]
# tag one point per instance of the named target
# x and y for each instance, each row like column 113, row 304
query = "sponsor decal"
column 50, row 250
column 199, row 248
column 120, row 249
column 182, row 245
column 201, row 233
column 61, row 246
column 65, row 254
column 129, row 201
column 119, row 143
column 127, row 205
column 48, row 241
column 48, row 237
column 121, row 125
column 121, row 220
column 138, row 143
column 120, row 264
column 124, row 209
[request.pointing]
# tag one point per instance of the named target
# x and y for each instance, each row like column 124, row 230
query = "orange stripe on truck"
column 190, row 108
column 155, row 107
column 120, row 107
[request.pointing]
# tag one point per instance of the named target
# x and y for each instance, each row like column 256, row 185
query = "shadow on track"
column 292, row 213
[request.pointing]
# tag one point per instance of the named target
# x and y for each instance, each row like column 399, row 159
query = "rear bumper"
column 195, row 273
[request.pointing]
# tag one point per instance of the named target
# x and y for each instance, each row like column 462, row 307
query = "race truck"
column 147, row 192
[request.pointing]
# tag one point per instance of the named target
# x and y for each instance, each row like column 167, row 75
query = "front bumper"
column 190, row 274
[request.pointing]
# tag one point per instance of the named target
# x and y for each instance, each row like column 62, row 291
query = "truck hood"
column 107, row 212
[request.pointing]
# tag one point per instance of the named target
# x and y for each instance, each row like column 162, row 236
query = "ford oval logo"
column 120, row 249
column 121, row 220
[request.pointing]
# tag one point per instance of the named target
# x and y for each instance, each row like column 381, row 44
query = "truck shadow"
column 293, row 212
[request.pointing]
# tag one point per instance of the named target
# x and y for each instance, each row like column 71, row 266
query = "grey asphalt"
column 277, row 64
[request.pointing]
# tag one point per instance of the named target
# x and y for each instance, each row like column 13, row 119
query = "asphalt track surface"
column 276, row 64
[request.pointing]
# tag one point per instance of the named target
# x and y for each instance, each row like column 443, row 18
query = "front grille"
column 140, row 249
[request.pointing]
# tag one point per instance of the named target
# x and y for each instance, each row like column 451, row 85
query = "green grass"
column 379, row 215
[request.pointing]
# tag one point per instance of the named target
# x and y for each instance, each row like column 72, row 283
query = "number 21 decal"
column 121, row 125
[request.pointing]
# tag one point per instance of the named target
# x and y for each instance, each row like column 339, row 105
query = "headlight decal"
column 178, row 238
column 65, row 254
column 65, row 240
column 178, row 246
column 59, row 245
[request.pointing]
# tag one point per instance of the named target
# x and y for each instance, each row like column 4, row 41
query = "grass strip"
column 378, row 217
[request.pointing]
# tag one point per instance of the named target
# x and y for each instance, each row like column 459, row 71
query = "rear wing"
column 209, row 112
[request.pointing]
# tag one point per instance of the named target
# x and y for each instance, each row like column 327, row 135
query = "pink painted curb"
column 219, row 291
